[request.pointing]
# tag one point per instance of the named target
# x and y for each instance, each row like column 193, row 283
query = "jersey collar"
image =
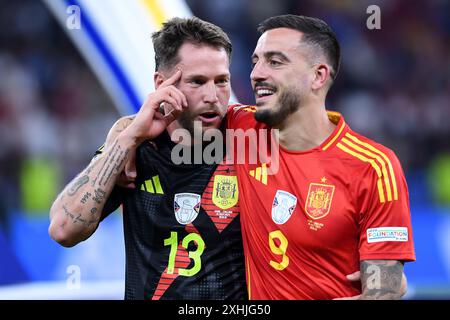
column 338, row 132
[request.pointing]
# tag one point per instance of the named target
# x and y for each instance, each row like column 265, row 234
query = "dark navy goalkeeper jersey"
column 182, row 228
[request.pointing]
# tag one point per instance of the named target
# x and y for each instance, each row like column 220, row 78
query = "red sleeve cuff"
column 401, row 256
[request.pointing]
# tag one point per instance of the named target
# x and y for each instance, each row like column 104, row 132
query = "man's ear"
column 322, row 76
column 158, row 78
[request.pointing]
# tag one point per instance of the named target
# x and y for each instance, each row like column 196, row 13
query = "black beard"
column 287, row 103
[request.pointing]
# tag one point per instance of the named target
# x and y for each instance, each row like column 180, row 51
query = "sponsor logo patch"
column 386, row 234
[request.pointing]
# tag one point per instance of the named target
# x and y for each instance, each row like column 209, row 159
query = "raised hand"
column 149, row 121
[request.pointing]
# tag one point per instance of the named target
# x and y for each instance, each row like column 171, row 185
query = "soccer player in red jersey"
column 287, row 246
column 334, row 201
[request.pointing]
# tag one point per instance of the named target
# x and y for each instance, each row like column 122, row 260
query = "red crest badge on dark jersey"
column 220, row 198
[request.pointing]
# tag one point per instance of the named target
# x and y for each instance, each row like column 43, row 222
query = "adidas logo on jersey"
column 152, row 185
column 260, row 173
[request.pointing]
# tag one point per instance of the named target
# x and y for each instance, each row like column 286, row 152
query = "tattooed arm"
column 76, row 212
column 382, row 280
column 127, row 177
column 356, row 276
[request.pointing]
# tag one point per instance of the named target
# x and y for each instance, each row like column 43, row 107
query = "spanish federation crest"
column 186, row 207
column 318, row 202
column 225, row 191
column 282, row 207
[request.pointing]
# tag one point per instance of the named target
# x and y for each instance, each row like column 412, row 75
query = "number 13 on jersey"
column 193, row 255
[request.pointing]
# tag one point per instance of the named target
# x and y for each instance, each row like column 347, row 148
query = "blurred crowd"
column 53, row 112
column 393, row 86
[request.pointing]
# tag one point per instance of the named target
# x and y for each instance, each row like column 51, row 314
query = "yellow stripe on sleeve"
column 374, row 165
column 382, row 154
column 381, row 161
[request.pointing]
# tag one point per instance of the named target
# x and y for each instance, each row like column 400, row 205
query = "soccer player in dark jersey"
column 334, row 201
column 181, row 222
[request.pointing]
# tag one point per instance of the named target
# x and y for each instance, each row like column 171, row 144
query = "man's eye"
column 197, row 82
column 222, row 81
column 274, row 63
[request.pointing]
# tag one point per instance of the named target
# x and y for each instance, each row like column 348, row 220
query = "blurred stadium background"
column 61, row 89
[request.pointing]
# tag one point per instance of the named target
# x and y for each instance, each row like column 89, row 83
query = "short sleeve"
column 385, row 218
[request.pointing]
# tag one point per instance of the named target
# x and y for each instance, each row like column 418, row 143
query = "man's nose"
column 210, row 95
column 259, row 72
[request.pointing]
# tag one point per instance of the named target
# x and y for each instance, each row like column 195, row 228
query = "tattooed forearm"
column 113, row 163
column 125, row 123
column 75, row 218
column 77, row 184
column 77, row 210
column 102, row 169
column 91, row 166
column 101, row 183
column 100, row 195
column 381, row 279
column 67, row 212
column 85, row 198
column 78, row 218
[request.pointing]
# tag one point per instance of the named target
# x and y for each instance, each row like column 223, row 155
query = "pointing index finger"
column 173, row 79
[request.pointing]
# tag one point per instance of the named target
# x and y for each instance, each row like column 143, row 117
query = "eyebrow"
column 270, row 54
column 201, row 76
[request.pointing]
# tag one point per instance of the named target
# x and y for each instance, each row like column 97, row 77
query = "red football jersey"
column 308, row 225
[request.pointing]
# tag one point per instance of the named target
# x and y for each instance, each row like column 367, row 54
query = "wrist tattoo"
column 78, row 218
column 77, row 184
column 112, row 164
column 85, row 198
column 99, row 196
column 125, row 124
column 381, row 279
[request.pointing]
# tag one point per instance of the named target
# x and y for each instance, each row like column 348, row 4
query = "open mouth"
column 209, row 116
column 261, row 92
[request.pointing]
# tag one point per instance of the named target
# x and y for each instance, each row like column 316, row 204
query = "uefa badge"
column 282, row 207
column 186, row 207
